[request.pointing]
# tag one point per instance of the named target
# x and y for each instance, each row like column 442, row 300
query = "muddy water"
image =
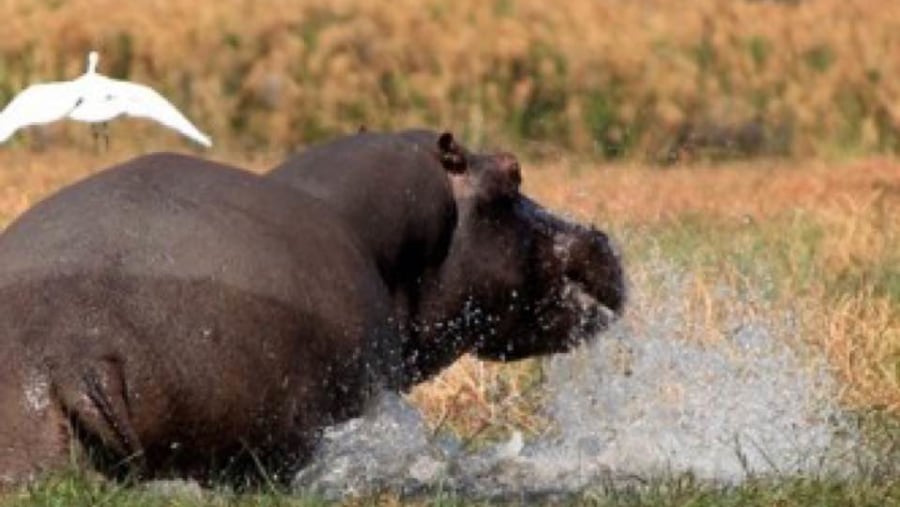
column 643, row 401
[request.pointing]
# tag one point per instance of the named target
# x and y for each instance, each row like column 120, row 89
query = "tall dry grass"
column 649, row 78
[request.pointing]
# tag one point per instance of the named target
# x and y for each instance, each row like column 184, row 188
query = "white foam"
column 645, row 400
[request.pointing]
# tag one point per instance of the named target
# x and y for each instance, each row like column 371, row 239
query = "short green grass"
column 76, row 491
column 687, row 492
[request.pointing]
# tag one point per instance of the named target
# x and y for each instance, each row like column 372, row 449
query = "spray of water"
column 642, row 401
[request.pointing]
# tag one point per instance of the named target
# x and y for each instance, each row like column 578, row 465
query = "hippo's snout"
column 592, row 263
column 591, row 268
column 592, row 289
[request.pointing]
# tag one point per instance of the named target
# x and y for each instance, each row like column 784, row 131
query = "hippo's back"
column 167, row 216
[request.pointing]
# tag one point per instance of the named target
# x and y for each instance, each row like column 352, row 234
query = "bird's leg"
column 98, row 130
column 95, row 134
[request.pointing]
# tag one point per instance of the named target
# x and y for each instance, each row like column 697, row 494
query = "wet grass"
column 74, row 490
column 77, row 491
column 805, row 492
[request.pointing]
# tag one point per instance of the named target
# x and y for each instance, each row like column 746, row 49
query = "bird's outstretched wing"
column 37, row 104
column 144, row 102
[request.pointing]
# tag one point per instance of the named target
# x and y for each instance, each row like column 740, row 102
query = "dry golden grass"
column 753, row 190
column 594, row 75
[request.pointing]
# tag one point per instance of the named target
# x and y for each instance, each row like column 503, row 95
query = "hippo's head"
column 518, row 281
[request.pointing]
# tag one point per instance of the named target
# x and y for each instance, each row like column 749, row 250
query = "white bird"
column 92, row 98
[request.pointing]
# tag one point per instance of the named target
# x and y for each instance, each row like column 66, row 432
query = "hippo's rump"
column 184, row 309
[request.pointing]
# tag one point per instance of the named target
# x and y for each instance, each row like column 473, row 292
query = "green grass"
column 818, row 492
column 780, row 257
column 74, row 491
column 783, row 254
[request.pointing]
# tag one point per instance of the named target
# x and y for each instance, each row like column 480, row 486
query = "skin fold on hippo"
column 517, row 280
column 176, row 317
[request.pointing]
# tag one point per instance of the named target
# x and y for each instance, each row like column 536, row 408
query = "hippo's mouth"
column 572, row 315
column 590, row 315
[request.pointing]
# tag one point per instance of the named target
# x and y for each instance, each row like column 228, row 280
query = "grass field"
column 822, row 237
column 76, row 492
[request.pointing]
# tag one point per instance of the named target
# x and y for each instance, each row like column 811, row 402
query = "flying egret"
column 92, row 98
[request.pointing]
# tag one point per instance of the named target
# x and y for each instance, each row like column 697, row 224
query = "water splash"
column 638, row 403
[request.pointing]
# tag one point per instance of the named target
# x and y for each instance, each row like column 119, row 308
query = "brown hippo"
column 517, row 281
column 173, row 316
column 196, row 320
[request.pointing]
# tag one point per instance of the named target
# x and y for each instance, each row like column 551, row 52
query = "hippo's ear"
column 452, row 155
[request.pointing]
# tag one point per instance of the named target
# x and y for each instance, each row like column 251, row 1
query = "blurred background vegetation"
column 651, row 80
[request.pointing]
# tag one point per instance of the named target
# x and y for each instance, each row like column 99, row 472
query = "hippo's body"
column 185, row 316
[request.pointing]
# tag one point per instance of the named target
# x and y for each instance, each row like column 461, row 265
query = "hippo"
column 517, row 281
column 177, row 317
column 171, row 316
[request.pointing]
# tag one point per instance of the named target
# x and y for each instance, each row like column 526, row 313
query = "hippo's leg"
column 94, row 394
column 35, row 434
